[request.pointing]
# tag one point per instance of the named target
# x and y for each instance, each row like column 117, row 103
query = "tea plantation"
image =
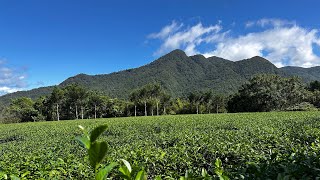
column 251, row 146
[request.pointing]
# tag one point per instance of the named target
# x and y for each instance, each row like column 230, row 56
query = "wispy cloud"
column 282, row 42
column 11, row 79
column 177, row 35
column 166, row 31
column 267, row 22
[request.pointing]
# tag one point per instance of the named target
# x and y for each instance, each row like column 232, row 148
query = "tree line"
column 262, row 93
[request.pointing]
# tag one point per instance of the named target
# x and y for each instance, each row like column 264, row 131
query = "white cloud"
column 270, row 22
column 11, row 79
column 189, row 37
column 283, row 42
column 166, row 31
column 5, row 89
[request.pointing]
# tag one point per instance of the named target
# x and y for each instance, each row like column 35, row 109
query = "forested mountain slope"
column 179, row 74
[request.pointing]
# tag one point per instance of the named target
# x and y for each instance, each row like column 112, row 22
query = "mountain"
column 34, row 93
column 307, row 74
column 179, row 74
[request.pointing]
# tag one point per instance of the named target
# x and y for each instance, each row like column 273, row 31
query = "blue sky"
column 44, row 42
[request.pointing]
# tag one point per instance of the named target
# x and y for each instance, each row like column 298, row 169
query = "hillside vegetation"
column 179, row 75
column 265, row 92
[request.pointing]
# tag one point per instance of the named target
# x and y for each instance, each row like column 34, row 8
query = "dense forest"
column 262, row 93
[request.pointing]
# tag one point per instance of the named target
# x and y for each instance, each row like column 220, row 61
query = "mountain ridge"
column 179, row 74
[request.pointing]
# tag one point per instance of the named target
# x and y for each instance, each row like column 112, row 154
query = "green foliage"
column 219, row 170
column 104, row 172
column 268, row 93
column 304, row 106
column 263, row 93
column 96, row 103
column 195, row 98
column 249, row 145
column 150, row 97
column 314, row 86
column 314, row 98
column 97, row 152
column 23, row 109
column 129, row 173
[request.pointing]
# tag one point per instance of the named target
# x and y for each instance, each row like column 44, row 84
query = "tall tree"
column 314, row 86
column 77, row 96
column 266, row 93
column 135, row 99
column 219, row 103
column 165, row 99
column 195, row 99
column 155, row 92
column 149, row 94
column 56, row 98
column 115, row 108
column 208, row 99
column 23, row 109
column 314, row 98
column 40, row 105
column 95, row 102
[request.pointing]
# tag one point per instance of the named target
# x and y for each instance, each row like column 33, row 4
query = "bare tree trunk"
column 95, row 111
column 152, row 111
column 58, row 117
column 145, row 108
column 135, row 110
column 81, row 112
column 197, row 109
column 217, row 109
column 76, row 112
column 164, row 110
column 157, row 109
column 128, row 111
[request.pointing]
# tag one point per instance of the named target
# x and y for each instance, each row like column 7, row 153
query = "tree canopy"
column 267, row 93
column 263, row 92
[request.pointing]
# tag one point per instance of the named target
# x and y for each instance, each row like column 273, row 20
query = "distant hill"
column 34, row 93
column 179, row 74
column 307, row 74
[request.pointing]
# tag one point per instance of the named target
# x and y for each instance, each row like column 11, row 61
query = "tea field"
column 251, row 146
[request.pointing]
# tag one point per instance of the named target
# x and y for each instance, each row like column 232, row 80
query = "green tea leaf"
column 104, row 172
column 204, row 173
column 84, row 140
column 218, row 163
column 97, row 152
column 3, row 175
column 127, row 164
column 25, row 174
column 141, row 175
column 158, row 178
column 224, row 177
column 13, row 177
column 97, row 132
column 125, row 172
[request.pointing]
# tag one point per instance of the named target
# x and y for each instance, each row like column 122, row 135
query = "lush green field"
column 256, row 145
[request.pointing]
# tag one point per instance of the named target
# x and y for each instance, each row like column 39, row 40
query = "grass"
column 250, row 145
